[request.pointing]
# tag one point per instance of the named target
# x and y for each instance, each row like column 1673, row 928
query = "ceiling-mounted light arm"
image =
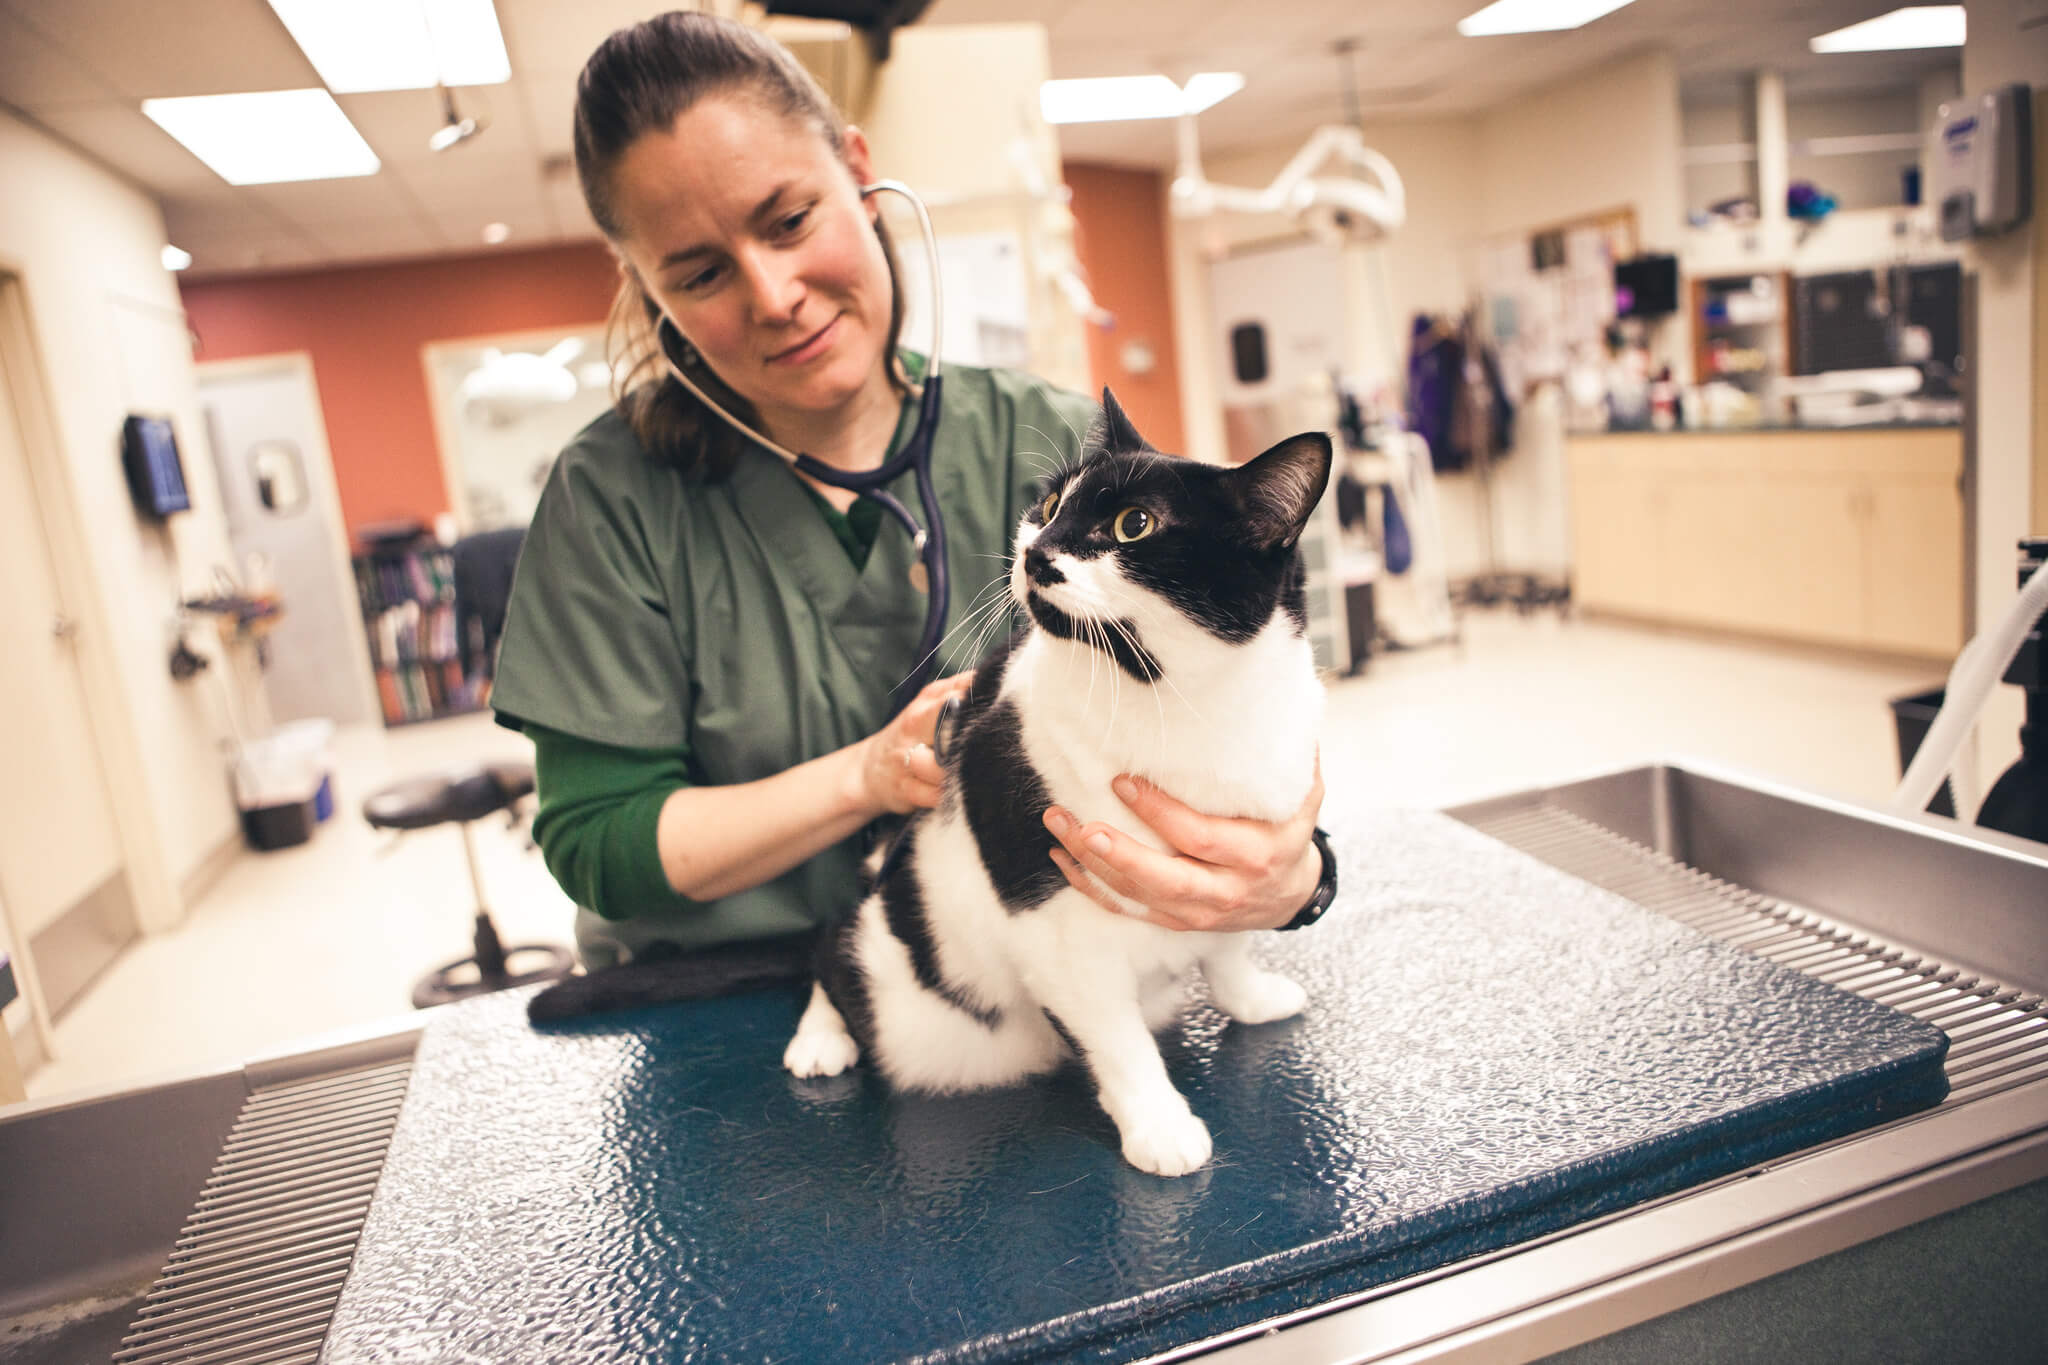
column 1347, row 207
column 454, row 127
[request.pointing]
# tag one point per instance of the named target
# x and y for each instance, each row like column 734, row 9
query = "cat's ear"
column 1117, row 432
column 1276, row 492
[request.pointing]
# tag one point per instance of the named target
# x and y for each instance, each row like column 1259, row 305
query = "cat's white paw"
column 1261, row 998
column 820, row 1052
column 1168, row 1145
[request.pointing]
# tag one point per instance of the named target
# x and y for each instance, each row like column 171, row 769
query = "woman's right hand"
column 898, row 772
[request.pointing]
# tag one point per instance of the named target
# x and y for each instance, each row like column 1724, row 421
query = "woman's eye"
column 1048, row 507
column 700, row 281
column 794, row 223
column 1134, row 523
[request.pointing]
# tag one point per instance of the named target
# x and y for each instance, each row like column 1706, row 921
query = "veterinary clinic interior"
column 1676, row 959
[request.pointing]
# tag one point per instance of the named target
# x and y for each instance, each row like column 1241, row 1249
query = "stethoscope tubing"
column 929, row 540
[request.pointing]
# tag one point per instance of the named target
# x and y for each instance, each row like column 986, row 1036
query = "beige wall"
column 940, row 115
column 111, row 339
column 2009, row 357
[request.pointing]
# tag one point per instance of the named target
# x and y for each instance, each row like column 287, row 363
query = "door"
column 64, row 890
column 277, row 492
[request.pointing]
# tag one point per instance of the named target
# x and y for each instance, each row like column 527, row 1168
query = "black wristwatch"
column 1326, row 889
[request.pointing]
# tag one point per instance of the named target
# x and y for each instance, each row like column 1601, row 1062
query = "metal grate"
column 1998, row 1035
column 258, row 1267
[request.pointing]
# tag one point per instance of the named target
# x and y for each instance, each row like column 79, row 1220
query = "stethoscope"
column 916, row 456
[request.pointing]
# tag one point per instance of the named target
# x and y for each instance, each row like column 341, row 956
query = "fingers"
column 1099, row 859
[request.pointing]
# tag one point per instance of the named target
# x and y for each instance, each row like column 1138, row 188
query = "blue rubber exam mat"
column 1492, row 1050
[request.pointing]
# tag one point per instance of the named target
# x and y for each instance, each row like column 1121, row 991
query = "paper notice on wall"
column 986, row 309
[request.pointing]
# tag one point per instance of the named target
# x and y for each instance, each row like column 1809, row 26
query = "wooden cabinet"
column 1837, row 537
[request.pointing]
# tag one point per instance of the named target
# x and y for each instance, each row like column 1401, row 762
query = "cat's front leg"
column 1245, row 991
column 1105, row 1022
column 822, row 1046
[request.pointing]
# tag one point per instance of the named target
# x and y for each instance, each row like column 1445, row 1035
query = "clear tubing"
column 1977, row 670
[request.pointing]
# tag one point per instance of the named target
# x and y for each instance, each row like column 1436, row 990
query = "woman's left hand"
column 1224, row 874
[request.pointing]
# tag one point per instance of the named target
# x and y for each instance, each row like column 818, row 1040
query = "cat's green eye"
column 1134, row 523
column 1049, row 506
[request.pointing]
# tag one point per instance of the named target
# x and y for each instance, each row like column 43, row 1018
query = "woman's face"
column 745, row 226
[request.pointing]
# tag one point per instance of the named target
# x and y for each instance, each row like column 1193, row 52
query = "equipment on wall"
column 1980, row 162
column 156, row 475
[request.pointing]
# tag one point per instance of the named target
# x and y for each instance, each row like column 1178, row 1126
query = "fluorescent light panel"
column 1914, row 26
column 267, row 137
column 1534, row 16
column 368, row 45
column 1106, row 99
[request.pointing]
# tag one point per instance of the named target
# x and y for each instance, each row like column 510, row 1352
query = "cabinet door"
column 1811, row 559
column 1614, row 556
column 1913, row 556
column 1706, row 549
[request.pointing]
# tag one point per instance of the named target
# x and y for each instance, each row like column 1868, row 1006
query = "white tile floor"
column 331, row 935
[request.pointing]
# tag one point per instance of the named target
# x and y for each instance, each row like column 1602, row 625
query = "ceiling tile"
column 148, row 48
column 119, row 136
column 546, row 35
column 35, row 72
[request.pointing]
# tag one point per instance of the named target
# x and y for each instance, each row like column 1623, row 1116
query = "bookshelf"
column 407, row 590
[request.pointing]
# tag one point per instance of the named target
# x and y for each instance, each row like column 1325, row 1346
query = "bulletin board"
column 1548, row 294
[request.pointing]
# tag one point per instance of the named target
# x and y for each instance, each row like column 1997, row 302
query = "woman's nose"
column 776, row 283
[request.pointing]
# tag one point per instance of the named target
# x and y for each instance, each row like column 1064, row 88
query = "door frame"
column 326, row 491
column 157, row 899
column 447, row 436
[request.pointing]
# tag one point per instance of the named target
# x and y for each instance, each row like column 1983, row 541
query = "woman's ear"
column 853, row 145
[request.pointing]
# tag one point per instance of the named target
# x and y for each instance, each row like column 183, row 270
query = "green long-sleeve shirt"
column 600, row 805
column 665, row 629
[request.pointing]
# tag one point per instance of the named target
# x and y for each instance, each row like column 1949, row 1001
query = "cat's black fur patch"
column 846, row 985
column 1066, row 1034
column 1118, row 639
column 1223, row 551
column 1005, row 801
column 904, row 911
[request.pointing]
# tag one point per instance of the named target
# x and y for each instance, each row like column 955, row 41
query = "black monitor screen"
column 156, row 477
column 1646, row 287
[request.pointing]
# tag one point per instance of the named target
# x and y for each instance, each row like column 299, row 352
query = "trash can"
column 279, row 780
column 1911, row 717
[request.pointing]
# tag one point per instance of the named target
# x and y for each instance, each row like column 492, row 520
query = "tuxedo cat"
column 1167, row 638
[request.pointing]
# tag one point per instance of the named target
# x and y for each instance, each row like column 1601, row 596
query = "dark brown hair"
column 639, row 81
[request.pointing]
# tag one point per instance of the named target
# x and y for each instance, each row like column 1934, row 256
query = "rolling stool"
column 462, row 796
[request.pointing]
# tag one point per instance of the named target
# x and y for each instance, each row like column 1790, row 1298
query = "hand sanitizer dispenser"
column 1980, row 163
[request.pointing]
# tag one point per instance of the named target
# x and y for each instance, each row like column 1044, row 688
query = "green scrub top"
column 653, row 609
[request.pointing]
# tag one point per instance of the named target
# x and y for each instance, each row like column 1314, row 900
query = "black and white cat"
column 1167, row 639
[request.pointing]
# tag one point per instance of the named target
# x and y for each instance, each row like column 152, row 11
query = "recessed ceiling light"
column 174, row 258
column 495, row 233
column 1534, row 16
column 267, row 137
column 1914, row 26
column 398, row 44
column 1104, row 99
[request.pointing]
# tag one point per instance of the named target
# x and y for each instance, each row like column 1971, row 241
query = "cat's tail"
column 727, row 969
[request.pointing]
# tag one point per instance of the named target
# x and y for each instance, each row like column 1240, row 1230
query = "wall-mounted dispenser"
column 1980, row 162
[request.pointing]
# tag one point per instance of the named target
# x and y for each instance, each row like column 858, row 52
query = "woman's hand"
column 897, row 771
column 1225, row 874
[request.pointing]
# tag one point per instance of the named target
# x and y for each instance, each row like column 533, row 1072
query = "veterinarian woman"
column 702, row 641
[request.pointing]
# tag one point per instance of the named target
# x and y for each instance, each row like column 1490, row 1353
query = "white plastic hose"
column 1977, row 670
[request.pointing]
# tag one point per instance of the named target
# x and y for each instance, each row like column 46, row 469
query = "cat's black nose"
column 1039, row 568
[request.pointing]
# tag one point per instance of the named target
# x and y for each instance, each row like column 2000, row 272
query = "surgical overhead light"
column 367, row 45
column 1335, row 208
column 1913, row 27
column 1106, row 99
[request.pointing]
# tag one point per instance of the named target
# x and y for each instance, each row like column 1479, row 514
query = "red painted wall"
column 364, row 327
column 1120, row 238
